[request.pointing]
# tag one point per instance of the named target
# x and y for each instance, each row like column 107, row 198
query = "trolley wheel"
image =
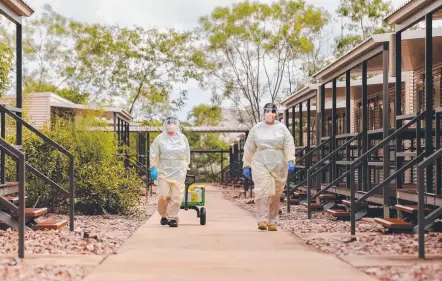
column 203, row 216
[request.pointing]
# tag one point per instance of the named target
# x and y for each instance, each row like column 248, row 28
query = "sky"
column 179, row 14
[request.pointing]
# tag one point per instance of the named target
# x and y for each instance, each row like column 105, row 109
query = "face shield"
column 270, row 113
column 171, row 125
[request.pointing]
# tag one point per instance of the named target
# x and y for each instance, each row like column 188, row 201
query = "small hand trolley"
column 194, row 198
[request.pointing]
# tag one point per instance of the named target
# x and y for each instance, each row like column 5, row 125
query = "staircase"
column 344, row 214
column 13, row 210
column 9, row 212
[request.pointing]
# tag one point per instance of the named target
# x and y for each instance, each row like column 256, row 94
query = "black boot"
column 164, row 221
column 173, row 223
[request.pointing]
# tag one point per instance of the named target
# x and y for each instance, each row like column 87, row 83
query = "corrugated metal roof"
column 18, row 6
column 399, row 8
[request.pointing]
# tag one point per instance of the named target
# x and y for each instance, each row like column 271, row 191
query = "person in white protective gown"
column 270, row 153
column 169, row 162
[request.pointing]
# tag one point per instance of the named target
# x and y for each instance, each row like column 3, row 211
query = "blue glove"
column 291, row 167
column 246, row 172
column 154, row 173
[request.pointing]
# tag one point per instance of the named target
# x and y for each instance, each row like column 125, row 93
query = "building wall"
column 36, row 109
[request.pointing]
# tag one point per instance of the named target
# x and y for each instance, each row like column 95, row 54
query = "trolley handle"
column 192, row 182
column 187, row 190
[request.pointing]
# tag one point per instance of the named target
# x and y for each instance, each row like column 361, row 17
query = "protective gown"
column 267, row 151
column 171, row 156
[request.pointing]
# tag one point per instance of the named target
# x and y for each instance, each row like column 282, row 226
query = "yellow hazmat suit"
column 267, row 151
column 171, row 156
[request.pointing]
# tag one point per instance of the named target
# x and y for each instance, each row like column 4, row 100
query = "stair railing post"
column 421, row 212
column 22, row 203
column 71, row 193
column 352, row 205
column 2, row 156
column 309, row 184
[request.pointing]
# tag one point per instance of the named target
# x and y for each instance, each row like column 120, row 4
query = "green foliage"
column 207, row 165
column 363, row 18
column 96, row 63
column 150, row 64
column 6, row 59
column 243, row 39
column 102, row 183
column 69, row 94
column 207, row 115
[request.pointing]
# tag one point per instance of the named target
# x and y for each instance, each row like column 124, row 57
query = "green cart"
column 197, row 199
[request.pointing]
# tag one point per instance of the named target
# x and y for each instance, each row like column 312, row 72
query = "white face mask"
column 268, row 117
column 171, row 129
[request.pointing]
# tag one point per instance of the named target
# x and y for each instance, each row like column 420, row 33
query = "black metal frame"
column 427, row 164
column 321, row 165
column 122, row 131
column 20, row 159
column 305, row 152
column 16, row 154
column 71, row 193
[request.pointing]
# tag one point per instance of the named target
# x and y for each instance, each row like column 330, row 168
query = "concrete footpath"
column 229, row 248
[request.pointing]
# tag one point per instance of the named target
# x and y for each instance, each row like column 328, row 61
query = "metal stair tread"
column 313, row 205
column 338, row 212
column 327, row 196
column 406, row 116
column 300, row 193
column 50, row 225
column 408, row 208
column 393, row 223
column 344, row 162
column 380, row 163
column 406, row 154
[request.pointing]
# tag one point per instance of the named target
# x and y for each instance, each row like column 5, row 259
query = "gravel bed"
column 378, row 244
column 100, row 235
column 296, row 221
column 93, row 235
column 330, row 236
column 16, row 270
column 429, row 272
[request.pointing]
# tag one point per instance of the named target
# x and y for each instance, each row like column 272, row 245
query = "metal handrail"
column 333, row 183
column 357, row 162
column 61, row 149
column 386, row 140
column 302, row 150
column 389, row 179
column 422, row 219
column 334, row 152
column 35, row 131
column 310, row 153
column 310, row 172
column 19, row 157
column 138, row 165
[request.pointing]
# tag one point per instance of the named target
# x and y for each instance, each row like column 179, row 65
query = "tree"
column 6, row 60
column 75, row 58
column 300, row 72
column 249, row 46
column 151, row 66
column 100, row 63
column 205, row 115
column 361, row 19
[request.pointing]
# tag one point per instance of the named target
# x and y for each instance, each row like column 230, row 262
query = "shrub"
column 102, row 183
